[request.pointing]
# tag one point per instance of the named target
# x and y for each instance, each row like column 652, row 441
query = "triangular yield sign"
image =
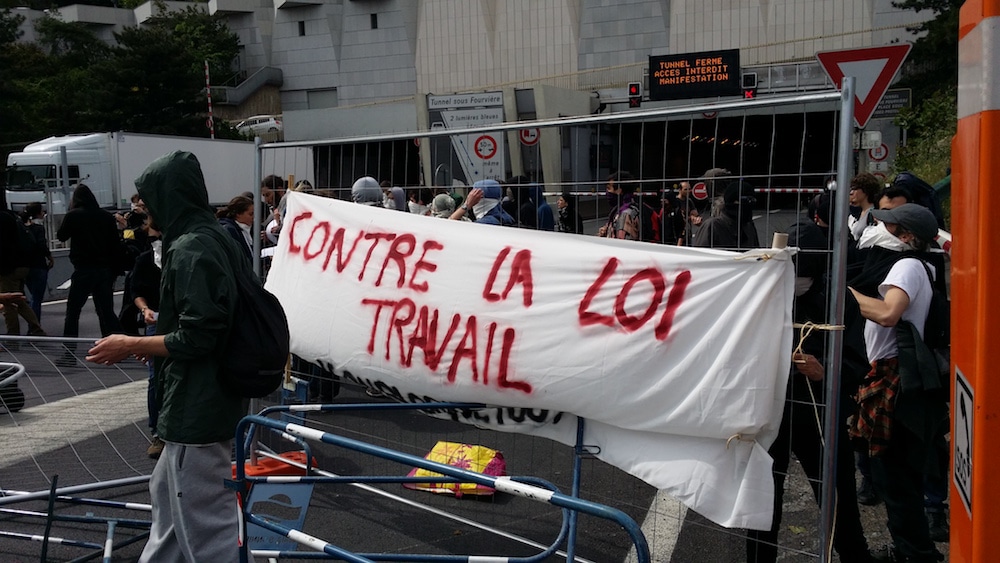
column 872, row 67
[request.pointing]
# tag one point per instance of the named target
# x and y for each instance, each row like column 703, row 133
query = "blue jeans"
column 98, row 282
column 37, row 284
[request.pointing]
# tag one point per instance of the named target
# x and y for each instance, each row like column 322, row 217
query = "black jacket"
column 10, row 251
column 234, row 230
column 93, row 236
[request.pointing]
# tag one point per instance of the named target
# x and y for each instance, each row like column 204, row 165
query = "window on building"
column 374, row 21
column 302, row 28
column 321, row 99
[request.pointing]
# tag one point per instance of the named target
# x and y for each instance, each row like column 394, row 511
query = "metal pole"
column 208, row 94
column 75, row 489
column 578, row 450
column 258, row 170
column 835, row 339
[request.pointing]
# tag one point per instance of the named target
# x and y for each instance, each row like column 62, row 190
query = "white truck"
column 109, row 163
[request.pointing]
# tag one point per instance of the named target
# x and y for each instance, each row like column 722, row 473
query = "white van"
column 259, row 124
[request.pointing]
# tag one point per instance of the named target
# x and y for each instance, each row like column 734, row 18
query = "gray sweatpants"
column 194, row 515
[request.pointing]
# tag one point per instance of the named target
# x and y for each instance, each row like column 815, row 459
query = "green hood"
column 173, row 188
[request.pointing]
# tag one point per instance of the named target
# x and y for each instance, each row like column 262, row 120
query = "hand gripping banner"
column 676, row 357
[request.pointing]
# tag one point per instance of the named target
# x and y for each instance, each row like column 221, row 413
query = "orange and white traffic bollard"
column 975, row 304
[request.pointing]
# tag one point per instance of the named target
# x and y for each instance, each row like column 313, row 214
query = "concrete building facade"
column 362, row 67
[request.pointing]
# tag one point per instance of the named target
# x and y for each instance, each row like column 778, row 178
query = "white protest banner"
column 677, row 358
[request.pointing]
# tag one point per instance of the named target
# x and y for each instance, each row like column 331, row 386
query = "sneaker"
column 155, row 448
column 866, row 493
column 937, row 524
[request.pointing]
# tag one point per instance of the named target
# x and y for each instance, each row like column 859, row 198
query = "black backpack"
column 937, row 327
column 256, row 352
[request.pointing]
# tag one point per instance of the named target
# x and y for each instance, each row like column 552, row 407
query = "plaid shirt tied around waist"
column 876, row 399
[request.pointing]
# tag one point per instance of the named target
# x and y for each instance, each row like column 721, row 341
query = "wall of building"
column 350, row 54
column 772, row 31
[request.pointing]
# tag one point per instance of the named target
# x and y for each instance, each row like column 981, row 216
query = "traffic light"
column 634, row 94
column 749, row 83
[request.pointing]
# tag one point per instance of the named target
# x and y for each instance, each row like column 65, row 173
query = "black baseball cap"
column 913, row 217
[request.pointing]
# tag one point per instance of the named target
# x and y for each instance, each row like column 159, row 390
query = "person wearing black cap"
column 899, row 398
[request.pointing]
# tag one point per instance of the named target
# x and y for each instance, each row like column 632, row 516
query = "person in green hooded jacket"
column 194, row 515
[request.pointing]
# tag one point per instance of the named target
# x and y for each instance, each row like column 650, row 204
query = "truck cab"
column 36, row 173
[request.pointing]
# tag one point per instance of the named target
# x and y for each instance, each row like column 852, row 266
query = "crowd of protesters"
column 891, row 248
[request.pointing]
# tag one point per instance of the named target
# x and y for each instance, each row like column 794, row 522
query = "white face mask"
column 38, row 221
column 418, row 208
column 878, row 235
column 484, row 206
column 157, row 253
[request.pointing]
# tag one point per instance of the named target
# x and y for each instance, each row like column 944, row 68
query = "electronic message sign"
column 695, row 75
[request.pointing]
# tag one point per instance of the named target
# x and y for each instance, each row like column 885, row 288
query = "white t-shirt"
column 909, row 275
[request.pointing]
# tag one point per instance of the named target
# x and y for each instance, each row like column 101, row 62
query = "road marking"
column 661, row 527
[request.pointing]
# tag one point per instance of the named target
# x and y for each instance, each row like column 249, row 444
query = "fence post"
column 831, row 426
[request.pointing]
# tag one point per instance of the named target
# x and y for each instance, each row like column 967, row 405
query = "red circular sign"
column 485, row 147
column 699, row 191
column 529, row 137
column 879, row 153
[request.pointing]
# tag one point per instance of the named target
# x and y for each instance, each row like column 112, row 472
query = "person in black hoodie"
column 731, row 225
column 15, row 263
column 38, row 275
column 94, row 251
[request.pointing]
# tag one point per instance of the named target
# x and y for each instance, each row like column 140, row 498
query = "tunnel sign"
column 695, row 75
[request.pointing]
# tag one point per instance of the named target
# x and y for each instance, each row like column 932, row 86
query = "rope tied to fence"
column 806, row 329
column 763, row 257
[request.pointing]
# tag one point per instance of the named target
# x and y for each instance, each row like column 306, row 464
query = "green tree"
column 931, row 71
column 933, row 62
column 157, row 87
column 21, row 66
column 204, row 38
column 930, row 127
column 71, row 42
column 150, row 81
column 9, row 24
column 158, row 71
